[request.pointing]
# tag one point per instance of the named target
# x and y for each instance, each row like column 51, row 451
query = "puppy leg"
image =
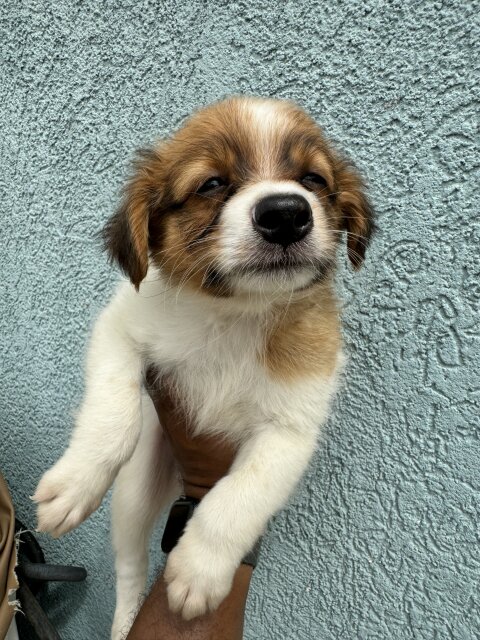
column 144, row 486
column 233, row 515
column 107, row 428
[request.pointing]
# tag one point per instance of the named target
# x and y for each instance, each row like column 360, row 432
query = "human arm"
column 202, row 461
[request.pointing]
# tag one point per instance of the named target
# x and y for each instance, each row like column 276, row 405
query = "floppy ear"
column 357, row 212
column 125, row 235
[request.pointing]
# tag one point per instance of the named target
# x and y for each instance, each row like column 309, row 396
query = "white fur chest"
column 215, row 362
column 214, row 355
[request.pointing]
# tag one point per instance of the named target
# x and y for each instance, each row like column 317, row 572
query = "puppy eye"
column 211, row 184
column 311, row 179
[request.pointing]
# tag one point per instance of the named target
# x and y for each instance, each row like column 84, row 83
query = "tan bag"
column 8, row 559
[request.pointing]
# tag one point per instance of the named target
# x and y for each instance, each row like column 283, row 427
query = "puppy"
column 228, row 233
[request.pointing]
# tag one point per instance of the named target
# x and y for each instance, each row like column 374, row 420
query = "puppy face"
column 247, row 196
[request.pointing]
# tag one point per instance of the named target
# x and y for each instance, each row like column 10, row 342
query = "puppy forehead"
column 249, row 135
column 235, row 124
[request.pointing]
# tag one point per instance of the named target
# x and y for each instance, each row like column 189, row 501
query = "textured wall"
column 382, row 540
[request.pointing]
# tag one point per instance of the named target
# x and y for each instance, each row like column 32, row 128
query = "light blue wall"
column 382, row 540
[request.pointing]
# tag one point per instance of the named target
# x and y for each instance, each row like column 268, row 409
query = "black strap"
column 180, row 513
column 253, row 555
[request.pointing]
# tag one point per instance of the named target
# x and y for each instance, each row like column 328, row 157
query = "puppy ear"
column 357, row 212
column 125, row 235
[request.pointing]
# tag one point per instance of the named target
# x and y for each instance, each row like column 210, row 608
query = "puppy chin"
column 275, row 281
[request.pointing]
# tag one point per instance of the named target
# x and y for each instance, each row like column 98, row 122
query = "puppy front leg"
column 106, row 431
column 232, row 516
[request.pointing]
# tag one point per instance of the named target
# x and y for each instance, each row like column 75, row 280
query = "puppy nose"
column 283, row 218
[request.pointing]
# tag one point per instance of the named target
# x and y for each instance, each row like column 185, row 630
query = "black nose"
column 283, row 218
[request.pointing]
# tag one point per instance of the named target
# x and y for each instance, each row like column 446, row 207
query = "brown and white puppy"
column 228, row 233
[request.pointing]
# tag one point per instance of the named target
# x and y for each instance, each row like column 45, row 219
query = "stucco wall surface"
column 382, row 539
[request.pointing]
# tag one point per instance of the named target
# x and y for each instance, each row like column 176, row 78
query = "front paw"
column 199, row 577
column 68, row 493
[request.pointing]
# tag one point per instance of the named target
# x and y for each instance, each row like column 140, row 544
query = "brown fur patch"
column 356, row 211
column 304, row 340
column 126, row 235
column 182, row 250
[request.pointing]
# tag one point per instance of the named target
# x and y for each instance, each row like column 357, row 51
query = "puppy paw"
column 67, row 494
column 198, row 577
